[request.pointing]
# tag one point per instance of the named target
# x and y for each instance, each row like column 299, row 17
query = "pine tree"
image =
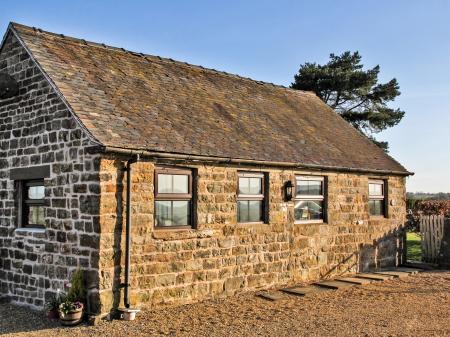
column 352, row 92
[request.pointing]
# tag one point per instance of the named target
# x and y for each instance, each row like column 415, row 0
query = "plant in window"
column 309, row 199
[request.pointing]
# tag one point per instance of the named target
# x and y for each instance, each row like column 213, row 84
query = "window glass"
column 172, row 213
column 376, row 207
column 164, row 183
column 180, row 213
column 180, row 183
column 255, row 186
column 305, row 210
column 250, row 211
column 173, row 183
column 309, row 187
column 250, row 185
column 36, row 215
column 163, row 213
column 375, row 189
column 36, row 192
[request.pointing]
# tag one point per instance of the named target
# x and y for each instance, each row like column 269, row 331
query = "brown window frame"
column 176, row 196
column 25, row 202
column 382, row 197
column 322, row 197
column 256, row 197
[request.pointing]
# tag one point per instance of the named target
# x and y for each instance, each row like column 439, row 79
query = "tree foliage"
column 353, row 92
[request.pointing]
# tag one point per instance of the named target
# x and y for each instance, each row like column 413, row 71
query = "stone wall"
column 221, row 257
column 36, row 128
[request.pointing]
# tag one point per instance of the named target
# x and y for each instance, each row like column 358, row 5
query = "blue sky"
column 268, row 40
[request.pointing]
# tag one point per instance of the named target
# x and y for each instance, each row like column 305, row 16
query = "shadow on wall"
column 117, row 286
column 387, row 251
column 94, row 301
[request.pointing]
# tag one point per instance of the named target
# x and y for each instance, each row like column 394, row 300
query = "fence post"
column 444, row 258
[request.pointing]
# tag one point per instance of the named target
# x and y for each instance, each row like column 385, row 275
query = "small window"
column 251, row 198
column 309, row 199
column 377, row 198
column 32, row 204
column 173, row 198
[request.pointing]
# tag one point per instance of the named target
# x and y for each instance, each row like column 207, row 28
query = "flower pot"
column 72, row 317
column 128, row 314
column 52, row 314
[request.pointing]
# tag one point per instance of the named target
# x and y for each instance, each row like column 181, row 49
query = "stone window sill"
column 34, row 232
column 29, row 230
column 178, row 234
column 309, row 222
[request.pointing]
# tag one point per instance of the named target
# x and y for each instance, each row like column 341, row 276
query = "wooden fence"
column 434, row 231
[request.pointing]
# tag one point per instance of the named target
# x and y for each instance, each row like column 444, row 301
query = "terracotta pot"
column 52, row 314
column 72, row 317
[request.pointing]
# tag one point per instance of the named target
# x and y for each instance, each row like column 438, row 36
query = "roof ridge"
column 160, row 58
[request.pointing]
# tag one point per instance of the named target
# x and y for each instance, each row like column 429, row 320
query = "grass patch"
column 413, row 246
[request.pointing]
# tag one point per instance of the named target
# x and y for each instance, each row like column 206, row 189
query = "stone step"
column 375, row 277
column 271, row 296
column 304, row 291
column 406, row 270
column 355, row 280
column 420, row 265
column 334, row 284
column 398, row 274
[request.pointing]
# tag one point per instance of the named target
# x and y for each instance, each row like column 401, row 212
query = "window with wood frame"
column 377, row 198
column 32, row 194
column 173, row 198
column 251, row 198
column 309, row 199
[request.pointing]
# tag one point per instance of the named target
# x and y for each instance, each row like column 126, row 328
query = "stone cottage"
column 230, row 184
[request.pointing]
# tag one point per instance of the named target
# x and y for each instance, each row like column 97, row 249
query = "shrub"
column 77, row 292
column 432, row 207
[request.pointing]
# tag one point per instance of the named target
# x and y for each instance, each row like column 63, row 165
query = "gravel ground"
column 414, row 306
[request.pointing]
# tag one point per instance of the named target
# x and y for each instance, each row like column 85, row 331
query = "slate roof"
column 134, row 101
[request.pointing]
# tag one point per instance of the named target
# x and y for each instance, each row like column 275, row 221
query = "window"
column 251, row 198
column 173, row 198
column 309, row 199
column 32, row 203
column 377, row 198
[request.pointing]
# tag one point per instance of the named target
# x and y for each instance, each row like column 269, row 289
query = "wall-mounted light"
column 288, row 190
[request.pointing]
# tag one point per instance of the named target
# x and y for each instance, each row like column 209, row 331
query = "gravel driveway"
column 415, row 306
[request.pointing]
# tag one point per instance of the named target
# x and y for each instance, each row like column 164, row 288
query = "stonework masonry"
column 85, row 212
column 36, row 128
column 221, row 257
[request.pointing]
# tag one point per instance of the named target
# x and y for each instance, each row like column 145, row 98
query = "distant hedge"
column 432, row 207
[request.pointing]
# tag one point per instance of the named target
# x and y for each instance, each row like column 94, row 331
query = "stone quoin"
column 210, row 212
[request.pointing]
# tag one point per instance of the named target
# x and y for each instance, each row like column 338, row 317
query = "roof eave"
column 241, row 161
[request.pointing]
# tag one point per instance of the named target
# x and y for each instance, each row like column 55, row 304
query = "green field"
column 413, row 246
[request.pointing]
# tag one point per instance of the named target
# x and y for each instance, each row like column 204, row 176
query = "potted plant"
column 71, row 308
column 70, row 313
